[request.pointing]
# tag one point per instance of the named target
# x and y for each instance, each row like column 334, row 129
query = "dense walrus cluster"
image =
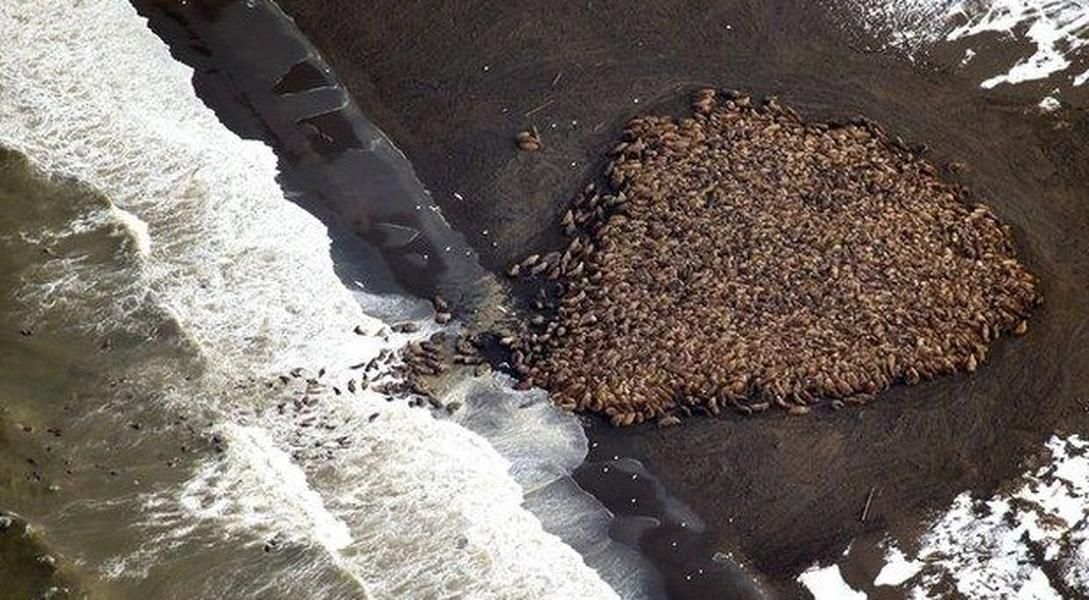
column 744, row 258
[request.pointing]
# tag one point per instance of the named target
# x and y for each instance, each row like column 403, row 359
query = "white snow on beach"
column 1056, row 32
column 826, row 583
column 1030, row 540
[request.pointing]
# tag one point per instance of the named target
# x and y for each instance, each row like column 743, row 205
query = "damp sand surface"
column 453, row 83
column 263, row 94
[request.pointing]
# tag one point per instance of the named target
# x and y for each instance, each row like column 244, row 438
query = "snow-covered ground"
column 1056, row 32
column 1030, row 543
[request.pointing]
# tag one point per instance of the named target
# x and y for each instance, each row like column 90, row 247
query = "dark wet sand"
column 265, row 82
column 260, row 77
column 452, row 82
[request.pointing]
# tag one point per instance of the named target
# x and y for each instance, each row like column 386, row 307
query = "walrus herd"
column 743, row 258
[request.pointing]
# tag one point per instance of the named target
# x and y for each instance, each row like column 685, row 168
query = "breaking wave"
column 157, row 247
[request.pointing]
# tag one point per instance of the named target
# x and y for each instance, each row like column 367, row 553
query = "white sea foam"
column 415, row 507
column 1056, row 30
column 139, row 229
column 254, row 462
column 544, row 446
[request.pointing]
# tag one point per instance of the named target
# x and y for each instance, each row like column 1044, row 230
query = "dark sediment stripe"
column 303, row 77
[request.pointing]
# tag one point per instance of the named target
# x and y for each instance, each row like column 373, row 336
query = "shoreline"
column 251, row 106
column 273, row 86
column 775, row 495
column 785, row 493
column 243, row 287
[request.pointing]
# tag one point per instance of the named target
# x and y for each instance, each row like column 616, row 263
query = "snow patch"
column 998, row 547
column 826, row 583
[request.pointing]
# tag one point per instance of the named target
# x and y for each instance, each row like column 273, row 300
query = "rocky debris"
column 742, row 257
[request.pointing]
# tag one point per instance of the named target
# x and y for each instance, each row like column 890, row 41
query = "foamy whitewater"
column 406, row 505
column 1056, row 30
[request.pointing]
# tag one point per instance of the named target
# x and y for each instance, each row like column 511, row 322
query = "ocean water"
column 156, row 284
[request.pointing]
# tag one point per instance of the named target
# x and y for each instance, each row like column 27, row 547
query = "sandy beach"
column 724, row 506
column 451, row 83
